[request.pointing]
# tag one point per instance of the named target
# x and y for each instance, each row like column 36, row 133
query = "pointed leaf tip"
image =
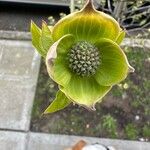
column 120, row 37
column 36, row 38
column 88, row 6
column 46, row 38
column 44, row 22
column 45, row 26
column 87, row 24
column 131, row 69
column 92, row 108
column 60, row 102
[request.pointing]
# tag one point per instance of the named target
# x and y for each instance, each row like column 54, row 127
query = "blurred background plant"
column 109, row 123
column 131, row 131
column 132, row 15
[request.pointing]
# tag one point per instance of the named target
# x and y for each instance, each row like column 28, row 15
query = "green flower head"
column 83, row 56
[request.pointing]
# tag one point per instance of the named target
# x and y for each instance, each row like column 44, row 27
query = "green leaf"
column 87, row 24
column 85, row 91
column 121, row 37
column 36, row 38
column 51, row 28
column 114, row 65
column 41, row 39
column 56, row 60
column 46, row 38
column 59, row 103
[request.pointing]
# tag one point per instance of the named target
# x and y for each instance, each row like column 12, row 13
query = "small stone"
column 125, row 86
column 142, row 139
column 137, row 117
column 124, row 95
column 87, row 126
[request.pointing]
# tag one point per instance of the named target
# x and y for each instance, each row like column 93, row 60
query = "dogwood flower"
column 82, row 56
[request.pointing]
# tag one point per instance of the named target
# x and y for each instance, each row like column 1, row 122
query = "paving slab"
column 12, row 140
column 19, row 67
column 17, row 35
column 40, row 141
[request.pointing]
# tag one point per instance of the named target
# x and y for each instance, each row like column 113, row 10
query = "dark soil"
column 124, row 113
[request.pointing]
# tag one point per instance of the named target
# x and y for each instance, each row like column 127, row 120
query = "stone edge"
column 67, row 140
column 15, row 35
column 21, row 35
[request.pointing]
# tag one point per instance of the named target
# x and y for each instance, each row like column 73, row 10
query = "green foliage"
column 140, row 89
column 110, row 125
column 59, row 103
column 146, row 130
column 131, row 14
column 41, row 38
column 46, row 39
column 138, row 83
column 36, row 35
column 121, row 37
column 131, row 131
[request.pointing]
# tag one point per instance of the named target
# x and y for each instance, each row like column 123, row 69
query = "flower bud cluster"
column 84, row 58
